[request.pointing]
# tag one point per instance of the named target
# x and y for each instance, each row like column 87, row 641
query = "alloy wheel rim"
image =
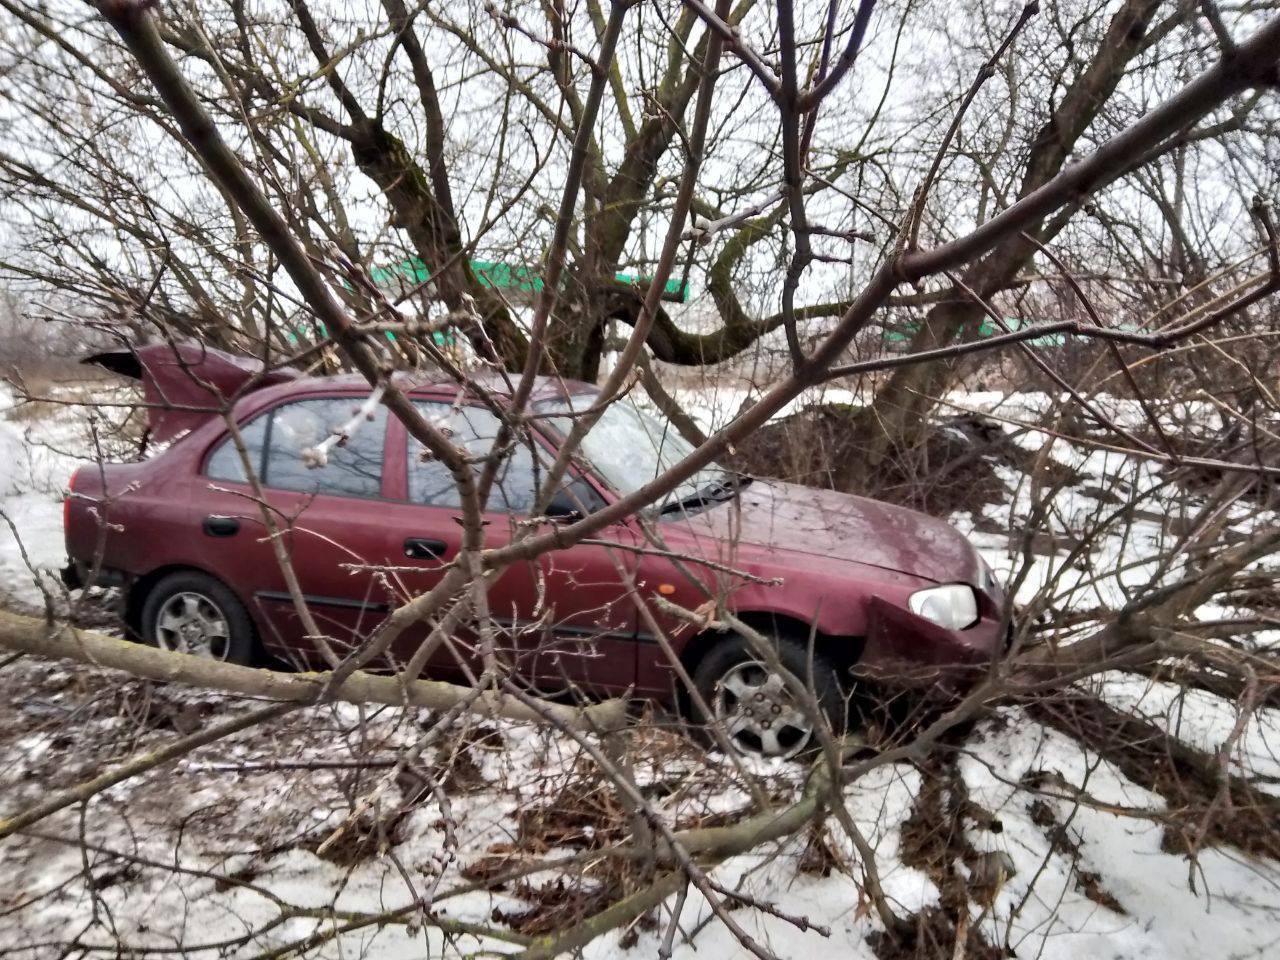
column 189, row 622
column 758, row 713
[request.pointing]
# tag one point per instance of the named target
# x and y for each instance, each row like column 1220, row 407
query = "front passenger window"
column 474, row 429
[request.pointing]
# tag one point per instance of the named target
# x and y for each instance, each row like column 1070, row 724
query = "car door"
column 561, row 619
column 322, row 497
column 588, row 637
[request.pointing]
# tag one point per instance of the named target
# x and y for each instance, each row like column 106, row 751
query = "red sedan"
column 842, row 583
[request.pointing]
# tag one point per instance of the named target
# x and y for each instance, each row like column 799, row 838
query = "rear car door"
column 323, row 497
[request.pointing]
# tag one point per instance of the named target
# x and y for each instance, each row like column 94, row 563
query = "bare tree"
column 588, row 132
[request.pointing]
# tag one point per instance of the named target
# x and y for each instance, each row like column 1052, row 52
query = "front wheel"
column 756, row 705
column 191, row 612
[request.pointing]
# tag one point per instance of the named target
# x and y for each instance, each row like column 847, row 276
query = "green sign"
column 506, row 276
column 988, row 328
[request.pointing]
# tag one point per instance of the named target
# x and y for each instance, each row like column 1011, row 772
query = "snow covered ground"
column 1105, row 884
column 214, row 813
column 35, row 467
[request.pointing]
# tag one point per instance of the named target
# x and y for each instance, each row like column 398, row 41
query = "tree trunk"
column 897, row 420
column 892, row 428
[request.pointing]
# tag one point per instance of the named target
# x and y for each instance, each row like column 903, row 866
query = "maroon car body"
column 842, row 567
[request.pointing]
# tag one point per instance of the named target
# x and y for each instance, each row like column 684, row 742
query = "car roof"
column 421, row 385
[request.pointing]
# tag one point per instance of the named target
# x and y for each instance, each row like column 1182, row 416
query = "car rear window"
column 279, row 444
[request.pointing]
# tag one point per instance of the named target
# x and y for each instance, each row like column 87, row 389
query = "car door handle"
column 221, row 526
column 420, row 548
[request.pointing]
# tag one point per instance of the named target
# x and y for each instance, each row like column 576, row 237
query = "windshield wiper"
column 726, row 488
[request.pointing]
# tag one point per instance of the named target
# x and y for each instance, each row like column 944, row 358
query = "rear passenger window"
column 474, row 429
column 281, row 444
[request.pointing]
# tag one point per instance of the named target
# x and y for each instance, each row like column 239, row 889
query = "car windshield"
column 629, row 447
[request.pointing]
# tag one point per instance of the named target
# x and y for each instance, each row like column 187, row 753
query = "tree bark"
column 28, row 635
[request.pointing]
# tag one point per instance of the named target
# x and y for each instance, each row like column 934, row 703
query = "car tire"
column 192, row 612
column 758, row 714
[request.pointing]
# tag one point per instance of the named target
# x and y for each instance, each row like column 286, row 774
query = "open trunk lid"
column 186, row 384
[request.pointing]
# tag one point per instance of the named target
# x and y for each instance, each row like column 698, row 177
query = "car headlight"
column 954, row 606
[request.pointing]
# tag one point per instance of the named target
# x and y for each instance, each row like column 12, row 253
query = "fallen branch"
column 710, row 846
column 29, row 635
column 138, row 766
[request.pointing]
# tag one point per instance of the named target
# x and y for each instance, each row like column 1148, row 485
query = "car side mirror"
column 575, row 500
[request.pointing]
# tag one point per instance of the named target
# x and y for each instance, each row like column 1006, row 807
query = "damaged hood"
column 788, row 518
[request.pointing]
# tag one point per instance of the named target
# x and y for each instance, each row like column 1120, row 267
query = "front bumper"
column 909, row 650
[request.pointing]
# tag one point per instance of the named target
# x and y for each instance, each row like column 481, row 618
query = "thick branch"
column 28, row 635
column 1253, row 65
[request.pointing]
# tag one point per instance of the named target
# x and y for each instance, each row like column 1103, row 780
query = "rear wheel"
column 757, row 706
column 191, row 612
